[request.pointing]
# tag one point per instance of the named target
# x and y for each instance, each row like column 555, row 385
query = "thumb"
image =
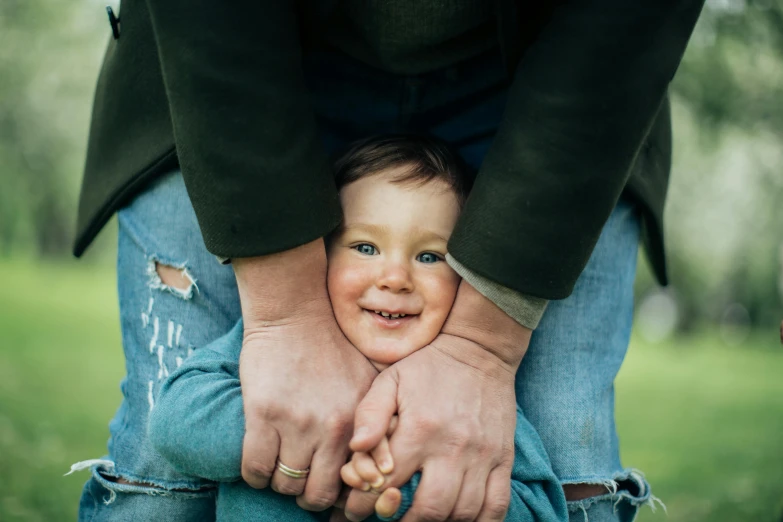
column 374, row 413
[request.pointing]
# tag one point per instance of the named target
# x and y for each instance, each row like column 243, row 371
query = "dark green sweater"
column 218, row 90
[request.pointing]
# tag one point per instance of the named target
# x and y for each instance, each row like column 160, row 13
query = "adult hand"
column 457, row 414
column 301, row 378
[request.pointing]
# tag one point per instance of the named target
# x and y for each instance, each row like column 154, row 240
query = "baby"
column 391, row 290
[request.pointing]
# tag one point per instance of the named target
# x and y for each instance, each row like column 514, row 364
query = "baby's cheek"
column 344, row 283
column 446, row 291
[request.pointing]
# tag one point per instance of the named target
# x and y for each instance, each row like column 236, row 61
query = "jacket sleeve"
column 198, row 423
column 584, row 96
column 255, row 169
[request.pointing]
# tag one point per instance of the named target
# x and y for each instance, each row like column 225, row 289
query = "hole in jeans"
column 120, row 480
column 583, row 491
column 174, row 277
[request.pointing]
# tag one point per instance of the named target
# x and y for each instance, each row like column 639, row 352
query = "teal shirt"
column 198, row 425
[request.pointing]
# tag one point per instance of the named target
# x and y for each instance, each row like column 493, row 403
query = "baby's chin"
column 385, row 352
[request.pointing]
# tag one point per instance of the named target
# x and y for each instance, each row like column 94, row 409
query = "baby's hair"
column 420, row 159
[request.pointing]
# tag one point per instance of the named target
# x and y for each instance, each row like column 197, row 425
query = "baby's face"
column 388, row 280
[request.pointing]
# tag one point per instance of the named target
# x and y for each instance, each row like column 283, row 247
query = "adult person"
column 246, row 99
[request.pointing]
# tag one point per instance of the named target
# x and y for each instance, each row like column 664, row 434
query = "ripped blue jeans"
column 161, row 326
column 564, row 385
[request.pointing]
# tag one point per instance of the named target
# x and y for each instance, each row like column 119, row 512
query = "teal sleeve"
column 197, row 422
column 536, row 494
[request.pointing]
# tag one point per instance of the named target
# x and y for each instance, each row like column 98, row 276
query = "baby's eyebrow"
column 381, row 230
column 385, row 230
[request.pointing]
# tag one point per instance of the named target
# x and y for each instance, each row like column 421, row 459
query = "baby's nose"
column 396, row 277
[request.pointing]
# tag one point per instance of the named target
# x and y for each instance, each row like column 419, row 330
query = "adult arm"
column 583, row 99
column 584, row 96
column 257, row 174
column 261, row 185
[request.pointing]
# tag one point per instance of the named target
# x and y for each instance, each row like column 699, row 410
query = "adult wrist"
column 276, row 287
column 477, row 319
column 525, row 309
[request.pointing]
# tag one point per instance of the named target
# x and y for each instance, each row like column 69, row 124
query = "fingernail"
column 353, row 518
column 365, row 486
column 386, row 467
column 378, row 482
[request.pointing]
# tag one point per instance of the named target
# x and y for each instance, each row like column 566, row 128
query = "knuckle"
column 256, row 469
column 426, row 426
column 319, row 499
column 496, row 507
column 286, row 489
column 430, row 512
column 484, row 449
column 338, row 425
column 464, row 515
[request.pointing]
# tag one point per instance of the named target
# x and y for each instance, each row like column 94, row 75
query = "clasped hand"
column 305, row 390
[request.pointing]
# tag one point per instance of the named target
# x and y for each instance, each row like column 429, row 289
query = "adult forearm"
column 585, row 96
column 477, row 319
column 281, row 286
column 247, row 142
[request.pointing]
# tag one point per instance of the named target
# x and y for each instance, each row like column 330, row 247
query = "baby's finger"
column 388, row 503
column 365, row 466
column 381, row 454
column 392, row 425
column 351, row 477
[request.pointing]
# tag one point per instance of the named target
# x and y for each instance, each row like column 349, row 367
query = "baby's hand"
column 366, row 471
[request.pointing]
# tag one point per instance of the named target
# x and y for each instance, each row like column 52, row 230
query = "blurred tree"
column 732, row 72
column 724, row 218
column 49, row 58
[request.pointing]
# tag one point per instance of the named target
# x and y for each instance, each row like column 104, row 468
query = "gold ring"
column 291, row 472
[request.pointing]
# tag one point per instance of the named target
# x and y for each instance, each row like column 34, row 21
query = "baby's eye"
column 428, row 257
column 366, row 249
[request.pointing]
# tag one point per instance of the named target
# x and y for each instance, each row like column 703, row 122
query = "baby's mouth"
column 388, row 315
column 391, row 319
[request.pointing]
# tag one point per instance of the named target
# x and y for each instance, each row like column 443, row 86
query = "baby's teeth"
column 388, row 315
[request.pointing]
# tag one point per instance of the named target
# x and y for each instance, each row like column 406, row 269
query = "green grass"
column 703, row 421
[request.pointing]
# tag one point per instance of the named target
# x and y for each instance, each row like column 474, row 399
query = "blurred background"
column 700, row 398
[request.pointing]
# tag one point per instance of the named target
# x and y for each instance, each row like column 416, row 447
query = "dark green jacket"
column 217, row 89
